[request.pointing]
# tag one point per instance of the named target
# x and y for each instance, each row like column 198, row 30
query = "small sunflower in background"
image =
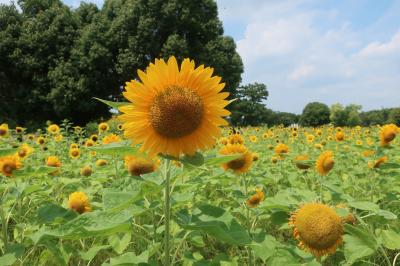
column 79, row 202
column 378, row 162
column 101, row 162
column 174, row 110
column 223, row 140
column 137, row 165
column 53, row 129
column 89, row 143
column 103, row 127
column 255, row 157
column 19, row 130
column 325, row 163
column 310, row 138
column 236, row 138
column 41, row 140
column 388, row 133
column 74, row 146
column 120, row 127
column 255, row 199
column 78, row 129
column 8, row 164
column 111, row 138
column 253, row 139
column 94, row 137
column 24, row 151
column 318, row 228
column 53, row 161
column 58, row 138
column 4, row 130
column 86, row 171
column 74, row 153
column 281, row 149
column 339, row 136
column 241, row 164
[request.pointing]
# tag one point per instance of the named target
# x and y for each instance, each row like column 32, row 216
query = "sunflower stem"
column 248, row 222
column 167, row 209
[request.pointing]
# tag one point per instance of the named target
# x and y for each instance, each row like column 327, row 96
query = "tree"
column 394, row 116
column 315, row 114
column 286, row 119
column 248, row 109
column 353, row 115
column 55, row 59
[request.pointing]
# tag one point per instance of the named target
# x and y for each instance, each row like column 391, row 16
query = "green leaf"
column 8, row 151
column 8, row 259
column 34, row 172
column 265, row 249
column 119, row 242
column 196, row 160
column 390, row 239
column 92, row 252
column 49, row 212
column 358, row 244
column 121, row 148
column 128, row 258
column 216, row 222
column 364, row 205
column 220, row 159
column 114, row 105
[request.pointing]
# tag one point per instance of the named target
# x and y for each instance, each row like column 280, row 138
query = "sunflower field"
column 168, row 181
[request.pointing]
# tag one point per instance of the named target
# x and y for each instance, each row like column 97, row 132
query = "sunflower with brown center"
column 111, row 138
column 19, row 130
column 86, row 171
column 40, row 140
column 174, row 110
column 53, row 161
column 53, row 129
column 325, row 162
column 318, row 228
column 24, row 151
column 339, row 136
column 103, row 127
column 79, row 202
column 8, row 164
column 241, row 164
column 388, row 133
column 94, row 137
column 255, row 199
column 137, row 166
column 236, row 138
column 281, row 149
column 4, row 130
column 74, row 153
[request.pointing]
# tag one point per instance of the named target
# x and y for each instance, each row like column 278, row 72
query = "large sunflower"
column 325, row 163
column 318, row 228
column 174, row 111
column 388, row 133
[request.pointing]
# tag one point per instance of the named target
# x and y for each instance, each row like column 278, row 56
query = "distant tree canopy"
column 315, row 114
column 54, row 59
column 345, row 116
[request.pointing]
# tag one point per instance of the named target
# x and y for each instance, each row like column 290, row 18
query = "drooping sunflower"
column 318, row 228
column 8, row 164
column 53, row 161
column 4, row 130
column 24, row 151
column 325, row 162
column 86, row 171
column 79, row 202
column 111, row 138
column 137, row 165
column 53, row 129
column 174, row 110
column 301, row 162
column 101, row 162
column 255, row 199
column 378, row 162
column 241, row 164
column 388, row 133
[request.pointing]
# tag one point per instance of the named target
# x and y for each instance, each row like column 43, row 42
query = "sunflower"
column 120, row 127
column 318, row 146
column 318, row 228
column 174, row 111
column 53, row 161
column 19, row 130
column 236, row 139
column 255, row 200
column 24, row 151
column 74, row 146
column 4, row 130
column 388, row 133
column 255, row 157
column 253, row 139
column 137, row 166
column 79, row 202
column 274, row 159
column 40, row 140
column 301, row 163
column 30, row 136
column 359, row 142
column 223, row 140
column 368, row 153
column 103, row 127
column 8, row 164
column 58, row 138
column 111, row 138
column 318, row 132
column 265, row 135
column 53, row 129
column 294, row 134
column 101, row 162
column 89, row 143
column 241, row 164
column 310, row 138
column 325, row 163
column 281, row 149
column 86, row 171
column 94, row 138
column 378, row 162
column 74, row 153
column 339, row 136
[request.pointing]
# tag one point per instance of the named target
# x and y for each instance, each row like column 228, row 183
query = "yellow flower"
column 89, row 143
column 318, row 145
column 318, row 132
column 53, row 129
column 8, row 164
column 79, row 202
column 73, row 146
column 339, row 136
column 388, row 133
column 174, row 111
column 378, row 162
column 103, row 127
column 101, row 162
column 325, row 163
column 255, row 200
column 253, row 138
column 299, row 161
column 137, row 166
column 53, row 161
column 86, row 171
column 111, row 138
column 274, row 159
column 223, row 141
column 281, row 149
column 40, row 140
column 24, row 151
column 368, row 153
column 19, row 130
column 58, row 138
column 359, row 142
column 74, row 153
column 241, row 164
column 294, row 134
column 236, row 139
column 265, row 135
column 4, row 130
column 310, row 138
column 94, row 138
column 30, row 136
column 120, row 127
column 318, row 228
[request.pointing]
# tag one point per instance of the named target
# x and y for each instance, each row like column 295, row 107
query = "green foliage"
column 55, row 59
column 345, row 116
column 394, row 116
column 315, row 114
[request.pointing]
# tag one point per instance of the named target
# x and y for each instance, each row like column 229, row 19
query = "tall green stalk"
column 167, row 210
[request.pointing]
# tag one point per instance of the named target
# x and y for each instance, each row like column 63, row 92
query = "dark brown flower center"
column 176, row 112
column 3, row 132
column 237, row 163
column 137, row 168
column 8, row 168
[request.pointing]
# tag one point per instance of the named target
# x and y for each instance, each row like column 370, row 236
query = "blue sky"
column 331, row 51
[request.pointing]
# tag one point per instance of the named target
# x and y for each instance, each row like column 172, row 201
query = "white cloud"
column 301, row 72
column 382, row 49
